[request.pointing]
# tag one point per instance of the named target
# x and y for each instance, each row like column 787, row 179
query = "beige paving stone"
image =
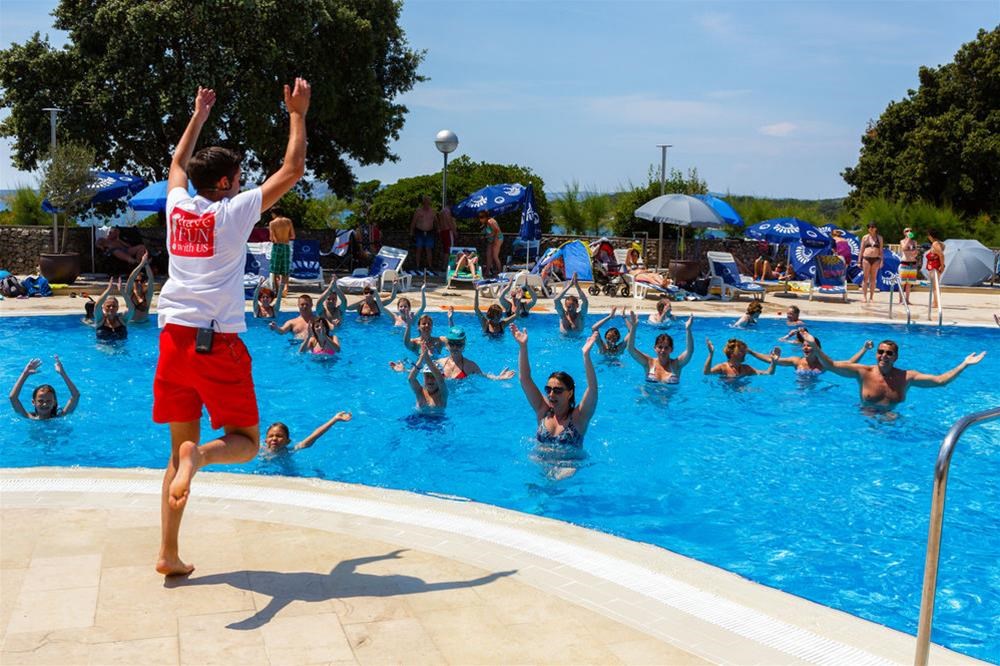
column 402, row 641
column 306, row 639
column 48, row 653
column 356, row 608
column 142, row 511
column 148, row 652
column 471, row 635
column 10, row 588
column 131, row 546
column 206, row 640
column 45, row 610
column 649, row 651
column 558, row 641
column 60, row 573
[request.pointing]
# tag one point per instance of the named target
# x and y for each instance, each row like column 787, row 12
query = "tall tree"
column 129, row 72
column 942, row 143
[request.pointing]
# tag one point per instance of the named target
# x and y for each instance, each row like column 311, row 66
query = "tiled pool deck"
column 302, row 571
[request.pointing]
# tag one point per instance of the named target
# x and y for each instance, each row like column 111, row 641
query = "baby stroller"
column 609, row 275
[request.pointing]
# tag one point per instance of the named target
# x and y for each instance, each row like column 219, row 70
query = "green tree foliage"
column 941, row 144
column 624, row 222
column 67, row 182
column 128, row 76
column 578, row 213
column 24, row 207
column 392, row 206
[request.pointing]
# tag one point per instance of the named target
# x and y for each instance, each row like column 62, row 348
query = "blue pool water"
column 781, row 480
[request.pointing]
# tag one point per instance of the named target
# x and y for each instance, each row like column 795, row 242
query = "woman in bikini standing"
column 935, row 264
column 494, row 239
column 871, row 261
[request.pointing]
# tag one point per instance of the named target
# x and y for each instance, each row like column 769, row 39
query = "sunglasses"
column 557, row 390
column 885, row 352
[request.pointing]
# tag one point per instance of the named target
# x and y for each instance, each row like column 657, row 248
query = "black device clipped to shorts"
column 203, row 340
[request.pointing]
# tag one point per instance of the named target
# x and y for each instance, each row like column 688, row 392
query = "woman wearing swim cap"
column 561, row 422
column 456, row 366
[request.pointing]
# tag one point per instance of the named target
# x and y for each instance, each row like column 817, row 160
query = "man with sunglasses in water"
column 884, row 385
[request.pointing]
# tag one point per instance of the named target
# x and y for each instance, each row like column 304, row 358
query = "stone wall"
column 20, row 246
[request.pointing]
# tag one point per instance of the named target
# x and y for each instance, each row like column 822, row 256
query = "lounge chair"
column 492, row 288
column 385, row 268
column 725, row 276
column 258, row 265
column 830, row 278
column 463, row 275
column 342, row 258
column 305, row 267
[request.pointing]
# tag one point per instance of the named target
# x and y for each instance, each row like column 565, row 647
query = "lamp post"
column 52, row 152
column 663, row 190
column 446, row 141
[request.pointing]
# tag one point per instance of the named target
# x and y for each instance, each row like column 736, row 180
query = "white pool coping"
column 694, row 606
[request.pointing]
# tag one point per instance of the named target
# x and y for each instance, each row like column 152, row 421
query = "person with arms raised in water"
column 883, row 385
column 661, row 368
column 573, row 313
column 202, row 361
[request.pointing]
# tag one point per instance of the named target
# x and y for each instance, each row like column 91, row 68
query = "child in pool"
column 264, row 306
column 751, row 316
column 43, row 398
column 611, row 344
column 278, row 438
column 433, row 394
column 319, row 340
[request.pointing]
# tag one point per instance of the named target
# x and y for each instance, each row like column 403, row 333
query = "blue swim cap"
column 456, row 334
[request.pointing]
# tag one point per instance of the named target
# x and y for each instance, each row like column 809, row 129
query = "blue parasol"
column 722, row 208
column 107, row 186
column 497, row 199
column 784, row 230
column 154, row 197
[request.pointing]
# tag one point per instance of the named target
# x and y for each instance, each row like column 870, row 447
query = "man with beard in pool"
column 883, row 385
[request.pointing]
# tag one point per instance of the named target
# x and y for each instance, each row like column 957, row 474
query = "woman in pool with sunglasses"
column 561, row 422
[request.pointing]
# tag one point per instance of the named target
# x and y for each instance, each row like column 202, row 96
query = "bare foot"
column 173, row 566
column 188, row 459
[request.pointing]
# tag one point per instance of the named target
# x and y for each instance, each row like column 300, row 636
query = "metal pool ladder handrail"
column 934, row 531
column 896, row 284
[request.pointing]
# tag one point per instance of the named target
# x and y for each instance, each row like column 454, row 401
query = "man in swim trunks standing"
column 202, row 361
column 422, row 230
column 282, row 233
column 884, row 385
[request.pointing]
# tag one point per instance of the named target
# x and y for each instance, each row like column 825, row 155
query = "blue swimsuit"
column 569, row 437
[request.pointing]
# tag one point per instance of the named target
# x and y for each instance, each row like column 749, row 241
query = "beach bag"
column 36, row 286
column 11, row 287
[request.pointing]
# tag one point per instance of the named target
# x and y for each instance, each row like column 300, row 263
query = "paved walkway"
column 972, row 306
column 301, row 571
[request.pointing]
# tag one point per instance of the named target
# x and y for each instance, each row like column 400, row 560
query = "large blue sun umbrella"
column 851, row 239
column 722, row 208
column 154, row 197
column 107, row 186
column 497, row 199
column 784, row 230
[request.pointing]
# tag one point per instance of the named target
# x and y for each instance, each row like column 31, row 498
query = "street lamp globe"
column 446, row 141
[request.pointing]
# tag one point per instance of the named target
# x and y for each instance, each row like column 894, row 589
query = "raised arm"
column 557, row 303
column 531, row 391
column 632, row 324
column 203, row 102
column 423, row 301
column 707, row 370
column 329, row 291
column 307, row 341
column 255, row 303
column 382, row 305
column 532, row 295
column 436, row 371
column 74, row 393
column 791, row 360
column 688, row 352
column 320, row 431
column 584, row 302
column 479, row 313
column 294, row 165
column 923, row 380
column 99, row 306
column 130, row 283
column 772, row 362
column 415, row 386
column 15, row 393
column 841, row 368
column 503, row 300
column 861, row 352
column 588, row 403
column 596, row 328
column 407, row 340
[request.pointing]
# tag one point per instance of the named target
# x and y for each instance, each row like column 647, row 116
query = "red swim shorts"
column 220, row 380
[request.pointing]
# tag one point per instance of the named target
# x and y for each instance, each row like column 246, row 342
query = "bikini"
column 461, row 371
column 672, row 378
column 488, row 235
column 569, row 437
column 870, row 242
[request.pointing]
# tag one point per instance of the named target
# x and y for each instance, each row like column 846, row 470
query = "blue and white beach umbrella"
column 497, row 199
column 107, row 186
column 722, row 208
column 851, row 239
column 783, row 230
column 154, row 197
column 531, row 224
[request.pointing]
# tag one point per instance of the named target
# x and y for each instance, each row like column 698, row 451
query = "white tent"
column 967, row 262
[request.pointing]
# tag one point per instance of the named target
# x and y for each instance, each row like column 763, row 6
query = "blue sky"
column 763, row 98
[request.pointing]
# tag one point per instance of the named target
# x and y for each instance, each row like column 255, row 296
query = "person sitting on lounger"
column 113, row 246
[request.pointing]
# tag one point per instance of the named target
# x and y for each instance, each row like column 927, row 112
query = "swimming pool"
column 779, row 479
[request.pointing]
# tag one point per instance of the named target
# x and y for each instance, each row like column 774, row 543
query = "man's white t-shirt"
column 206, row 241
